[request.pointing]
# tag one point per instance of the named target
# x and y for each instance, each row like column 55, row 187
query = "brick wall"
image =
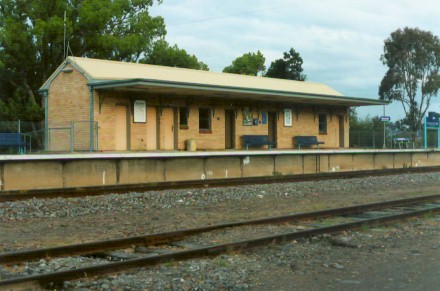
column 105, row 116
column 215, row 140
column 240, row 129
column 307, row 123
column 68, row 101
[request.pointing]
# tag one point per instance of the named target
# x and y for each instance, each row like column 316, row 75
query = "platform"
column 49, row 171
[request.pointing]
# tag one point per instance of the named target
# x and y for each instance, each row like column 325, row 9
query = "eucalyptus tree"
column 32, row 42
column 289, row 67
column 248, row 64
column 413, row 60
column 172, row 56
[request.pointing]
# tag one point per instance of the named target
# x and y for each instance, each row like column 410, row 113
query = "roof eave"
column 69, row 61
column 113, row 84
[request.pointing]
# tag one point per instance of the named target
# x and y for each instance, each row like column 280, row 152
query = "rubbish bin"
column 191, row 145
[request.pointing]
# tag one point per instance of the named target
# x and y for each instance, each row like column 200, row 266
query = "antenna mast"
column 64, row 47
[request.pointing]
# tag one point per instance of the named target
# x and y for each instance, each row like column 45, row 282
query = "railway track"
column 217, row 239
column 6, row 196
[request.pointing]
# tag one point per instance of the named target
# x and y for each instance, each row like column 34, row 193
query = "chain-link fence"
column 74, row 136
column 80, row 136
column 378, row 138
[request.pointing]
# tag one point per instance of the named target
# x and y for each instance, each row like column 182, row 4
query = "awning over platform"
column 151, row 79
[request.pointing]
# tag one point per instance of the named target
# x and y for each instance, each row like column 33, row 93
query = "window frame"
column 322, row 123
column 183, row 112
column 208, row 120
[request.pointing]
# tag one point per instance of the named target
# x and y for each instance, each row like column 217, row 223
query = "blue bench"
column 13, row 140
column 256, row 141
column 306, row 141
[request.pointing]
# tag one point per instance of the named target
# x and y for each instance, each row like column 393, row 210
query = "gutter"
column 197, row 86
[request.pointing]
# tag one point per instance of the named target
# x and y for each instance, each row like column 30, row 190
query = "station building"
column 102, row 105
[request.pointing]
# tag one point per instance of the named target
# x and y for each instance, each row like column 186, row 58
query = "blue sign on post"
column 431, row 121
column 263, row 117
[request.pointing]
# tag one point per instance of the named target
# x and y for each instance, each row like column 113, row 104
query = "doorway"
column 121, row 130
column 272, row 128
column 341, row 131
column 229, row 129
column 151, row 128
column 167, row 126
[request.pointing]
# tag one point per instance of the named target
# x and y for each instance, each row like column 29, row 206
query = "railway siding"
column 226, row 239
column 299, row 261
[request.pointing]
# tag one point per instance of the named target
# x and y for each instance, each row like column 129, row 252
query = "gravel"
column 74, row 207
column 344, row 262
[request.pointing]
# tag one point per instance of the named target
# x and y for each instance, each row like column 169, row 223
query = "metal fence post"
column 374, row 139
column 97, row 136
column 48, row 139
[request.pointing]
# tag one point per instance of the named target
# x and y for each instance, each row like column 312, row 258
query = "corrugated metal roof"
column 111, row 74
column 112, row 70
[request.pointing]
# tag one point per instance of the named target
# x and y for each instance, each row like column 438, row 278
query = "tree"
column 31, row 42
column 171, row 56
column 248, row 64
column 367, row 122
column 413, row 59
column 289, row 67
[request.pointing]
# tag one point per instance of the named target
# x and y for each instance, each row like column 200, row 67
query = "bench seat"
column 256, row 141
column 13, row 140
column 306, row 141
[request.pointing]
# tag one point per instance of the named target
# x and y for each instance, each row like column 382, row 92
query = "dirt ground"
column 401, row 257
column 49, row 232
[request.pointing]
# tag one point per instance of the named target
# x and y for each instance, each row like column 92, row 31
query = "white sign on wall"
column 140, row 111
column 287, row 117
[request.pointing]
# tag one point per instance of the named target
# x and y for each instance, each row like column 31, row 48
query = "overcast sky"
column 340, row 41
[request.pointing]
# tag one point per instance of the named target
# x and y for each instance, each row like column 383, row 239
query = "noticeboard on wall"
column 287, row 117
column 247, row 116
column 140, row 111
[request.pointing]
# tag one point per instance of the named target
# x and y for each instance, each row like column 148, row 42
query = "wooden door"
column 167, row 129
column 151, row 128
column 341, row 131
column 229, row 129
column 121, row 128
column 272, row 128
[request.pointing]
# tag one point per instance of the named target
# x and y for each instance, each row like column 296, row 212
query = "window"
column 205, row 120
column 322, row 123
column 183, row 118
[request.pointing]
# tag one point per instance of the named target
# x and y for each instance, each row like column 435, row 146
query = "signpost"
column 431, row 121
column 384, row 119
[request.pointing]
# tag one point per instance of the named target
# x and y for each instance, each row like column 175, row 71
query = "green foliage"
column 367, row 122
column 171, row 56
column 289, row 67
column 353, row 117
column 248, row 64
column 413, row 59
column 31, row 42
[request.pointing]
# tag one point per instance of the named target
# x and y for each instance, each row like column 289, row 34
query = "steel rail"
column 93, row 271
column 15, row 195
column 160, row 238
